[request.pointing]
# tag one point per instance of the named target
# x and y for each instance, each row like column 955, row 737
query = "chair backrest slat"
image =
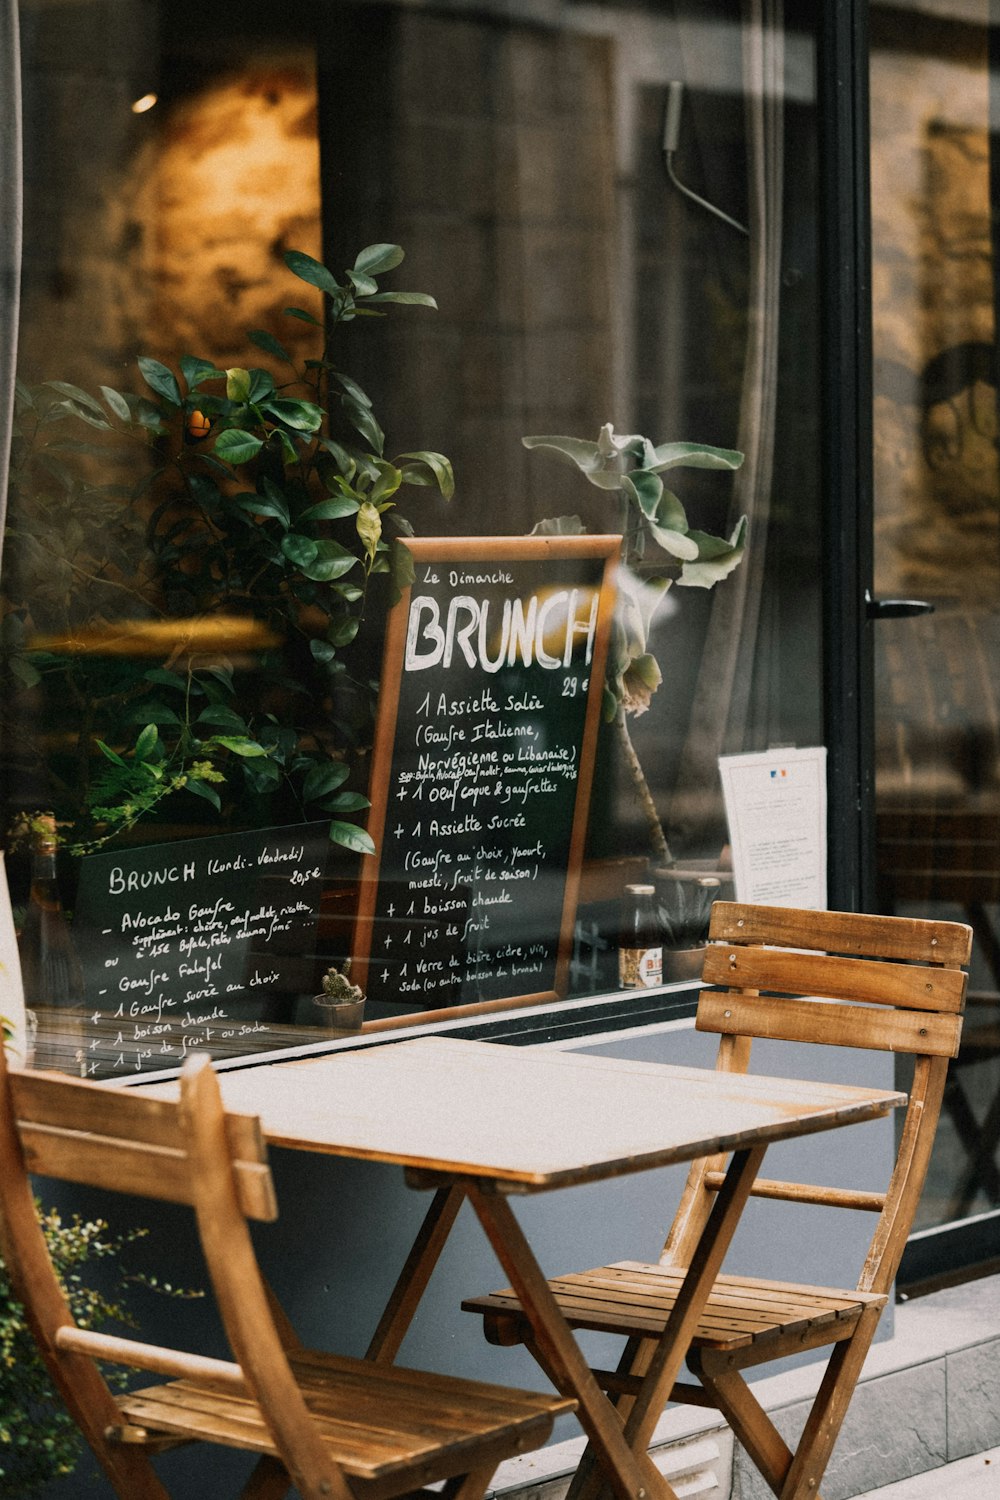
column 829, row 1024
column 146, row 1171
column 906, row 938
column 122, row 1141
column 73, row 1104
column 875, row 983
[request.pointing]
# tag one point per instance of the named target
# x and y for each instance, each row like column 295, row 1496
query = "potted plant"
column 187, row 570
column 660, row 549
column 340, row 1004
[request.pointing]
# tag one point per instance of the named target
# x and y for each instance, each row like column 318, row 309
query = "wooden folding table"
column 486, row 1121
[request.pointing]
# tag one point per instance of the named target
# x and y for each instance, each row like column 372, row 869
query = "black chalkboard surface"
column 481, row 773
column 196, row 943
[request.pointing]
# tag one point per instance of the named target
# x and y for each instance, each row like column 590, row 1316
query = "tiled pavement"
column 975, row 1478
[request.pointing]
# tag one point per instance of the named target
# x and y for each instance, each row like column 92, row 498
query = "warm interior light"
column 141, row 105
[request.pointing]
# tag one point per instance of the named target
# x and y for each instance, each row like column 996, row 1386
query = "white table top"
column 524, row 1118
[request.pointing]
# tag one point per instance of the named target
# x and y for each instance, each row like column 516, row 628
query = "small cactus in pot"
column 341, row 1005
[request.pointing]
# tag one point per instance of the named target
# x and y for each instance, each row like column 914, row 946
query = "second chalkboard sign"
column 481, row 773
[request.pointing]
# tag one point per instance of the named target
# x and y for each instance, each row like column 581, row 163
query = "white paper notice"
column 776, row 808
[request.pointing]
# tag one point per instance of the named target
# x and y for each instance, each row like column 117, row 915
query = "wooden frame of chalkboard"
column 491, row 691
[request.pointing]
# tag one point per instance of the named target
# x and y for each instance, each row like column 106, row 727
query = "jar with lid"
column 640, row 945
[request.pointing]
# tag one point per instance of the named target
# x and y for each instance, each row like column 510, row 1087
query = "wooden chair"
column 331, row 1426
column 896, row 984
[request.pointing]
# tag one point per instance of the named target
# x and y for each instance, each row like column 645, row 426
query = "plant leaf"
column 324, row 777
column 645, row 489
column 301, row 415
column 237, row 447
column 261, row 385
column 351, row 837
column 147, row 742
column 111, row 755
column 388, row 482
column 694, row 456
column 116, row 403
column 160, row 379
column 299, row 549
column 73, row 409
column 77, row 395
column 374, row 259
column 716, row 557
column 559, row 526
column 197, row 370
column 238, row 384
column 342, row 632
column 587, row 457
column 436, row 463
column 408, row 299
column 269, row 344
column 369, row 527
column 678, row 544
column 203, row 789
column 361, row 418
column 312, row 271
column 221, row 717
column 239, row 745
column 306, row 317
column 331, row 560
column 364, row 286
column 351, row 388
column 346, row 802
column 331, row 509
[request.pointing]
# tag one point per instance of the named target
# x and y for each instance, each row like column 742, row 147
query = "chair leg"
column 471, row 1486
column 270, row 1480
column 829, row 1409
column 795, row 1476
column 755, row 1431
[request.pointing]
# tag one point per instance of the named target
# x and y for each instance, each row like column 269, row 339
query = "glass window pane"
column 178, row 612
column 933, row 85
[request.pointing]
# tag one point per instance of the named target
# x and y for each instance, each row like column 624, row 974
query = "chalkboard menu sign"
column 481, row 774
column 200, row 943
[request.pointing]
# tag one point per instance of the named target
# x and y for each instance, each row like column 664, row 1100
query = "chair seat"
column 377, row 1420
column 636, row 1298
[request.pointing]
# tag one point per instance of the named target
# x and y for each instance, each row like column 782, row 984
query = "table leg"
column 415, row 1275
column 632, row 1474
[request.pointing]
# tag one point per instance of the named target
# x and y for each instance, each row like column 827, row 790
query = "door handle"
column 895, row 609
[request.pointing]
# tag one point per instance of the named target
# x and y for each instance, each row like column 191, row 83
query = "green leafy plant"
column 39, row 1441
column 659, row 549
column 188, row 568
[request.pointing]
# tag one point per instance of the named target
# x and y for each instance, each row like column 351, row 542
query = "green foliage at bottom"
column 39, row 1441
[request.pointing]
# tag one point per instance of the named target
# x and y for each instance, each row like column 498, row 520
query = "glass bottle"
column 640, row 947
column 51, row 971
